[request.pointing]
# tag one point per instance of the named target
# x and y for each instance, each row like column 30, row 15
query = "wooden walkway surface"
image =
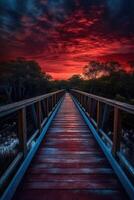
column 69, row 164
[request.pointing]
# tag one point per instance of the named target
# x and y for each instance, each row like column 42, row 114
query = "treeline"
column 118, row 86
column 107, row 79
column 21, row 79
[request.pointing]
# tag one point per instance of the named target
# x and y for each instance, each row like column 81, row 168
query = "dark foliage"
column 22, row 79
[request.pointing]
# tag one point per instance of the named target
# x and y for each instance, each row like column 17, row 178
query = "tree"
column 92, row 69
column 22, row 79
column 96, row 69
column 111, row 67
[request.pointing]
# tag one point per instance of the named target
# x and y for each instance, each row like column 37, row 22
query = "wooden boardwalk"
column 69, row 164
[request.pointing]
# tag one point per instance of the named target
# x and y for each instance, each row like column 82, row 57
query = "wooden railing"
column 120, row 115
column 21, row 124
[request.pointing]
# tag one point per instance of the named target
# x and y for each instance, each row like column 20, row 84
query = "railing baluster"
column 34, row 116
column 116, row 131
column 22, row 130
column 82, row 100
column 98, row 115
column 38, row 106
column 85, row 106
column 79, row 98
column 47, row 108
column 52, row 101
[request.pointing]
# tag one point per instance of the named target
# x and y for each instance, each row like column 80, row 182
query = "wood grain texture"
column 69, row 164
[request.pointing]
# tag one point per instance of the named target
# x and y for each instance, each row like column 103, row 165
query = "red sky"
column 63, row 36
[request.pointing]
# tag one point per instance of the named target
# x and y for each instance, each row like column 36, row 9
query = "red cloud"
column 63, row 47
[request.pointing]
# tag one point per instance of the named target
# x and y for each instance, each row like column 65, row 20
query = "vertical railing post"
column 38, row 107
column 48, row 101
column 116, row 131
column 81, row 99
column 22, row 130
column 98, row 115
column 85, row 102
column 52, row 102
column 54, row 99
column 89, row 109
column 47, row 109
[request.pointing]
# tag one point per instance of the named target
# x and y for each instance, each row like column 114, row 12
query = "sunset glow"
column 64, row 35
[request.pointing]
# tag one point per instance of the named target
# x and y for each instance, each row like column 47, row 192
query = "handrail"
column 9, row 108
column 41, row 107
column 122, row 106
column 92, row 108
column 84, row 100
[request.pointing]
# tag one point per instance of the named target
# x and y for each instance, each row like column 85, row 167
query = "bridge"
column 65, row 146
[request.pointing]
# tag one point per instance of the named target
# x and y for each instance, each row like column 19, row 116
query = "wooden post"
column 81, row 99
column 52, row 101
column 22, row 130
column 38, row 106
column 47, row 108
column 34, row 116
column 57, row 97
column 85, row 102
column 116, row 131
column 98, row 115
column 89, row 109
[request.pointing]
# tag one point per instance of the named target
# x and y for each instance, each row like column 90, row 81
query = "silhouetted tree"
column 22, row 79
column 97, row 69
column 112, row 67
column 92, row 69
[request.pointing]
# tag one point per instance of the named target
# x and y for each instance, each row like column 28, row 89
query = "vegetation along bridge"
column 66, row 146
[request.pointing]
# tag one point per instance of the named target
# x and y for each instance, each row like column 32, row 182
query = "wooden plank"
column 34, row 194
column 70, row 170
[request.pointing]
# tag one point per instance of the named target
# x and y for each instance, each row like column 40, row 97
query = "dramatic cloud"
column 63, row 35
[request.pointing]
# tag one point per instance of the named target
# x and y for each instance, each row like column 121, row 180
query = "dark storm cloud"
column 66, row 32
